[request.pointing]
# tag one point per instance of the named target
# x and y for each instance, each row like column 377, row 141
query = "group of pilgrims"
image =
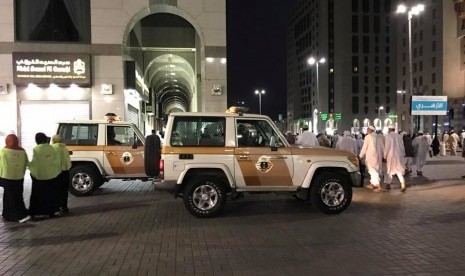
column 49, row 170
column 381, row 155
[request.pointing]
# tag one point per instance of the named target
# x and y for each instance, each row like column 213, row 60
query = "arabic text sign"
column 429, row 105
column 46, row 68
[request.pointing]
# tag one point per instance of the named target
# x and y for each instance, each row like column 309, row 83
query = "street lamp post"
column 413, row 11
column 401, row 93
column 260, row 93
column 314, row 61
column 379, row 116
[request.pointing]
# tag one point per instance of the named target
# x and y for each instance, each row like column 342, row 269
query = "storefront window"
column 53, row 20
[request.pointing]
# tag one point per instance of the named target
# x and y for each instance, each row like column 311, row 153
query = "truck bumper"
column 356, row 179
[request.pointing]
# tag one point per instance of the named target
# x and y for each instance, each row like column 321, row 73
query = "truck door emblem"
column 264, row 164
column 127, row 158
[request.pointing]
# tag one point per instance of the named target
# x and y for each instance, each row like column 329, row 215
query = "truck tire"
column 152, row 155
column 83, row 180
column 331, row 193
column 204, row 196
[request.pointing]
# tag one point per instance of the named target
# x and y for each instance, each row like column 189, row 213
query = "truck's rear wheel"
column 83, row 180
column 204, row 197
column 331, row 193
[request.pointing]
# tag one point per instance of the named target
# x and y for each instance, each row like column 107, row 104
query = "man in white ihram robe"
column 394, row 153
column 307, row 138
column 373, row 158
column 453, row 142
column 421, row 148
column 380, row 148
column 347, row 143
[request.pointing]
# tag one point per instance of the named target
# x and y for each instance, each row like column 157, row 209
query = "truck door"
column 120, row 157
column 257, row 163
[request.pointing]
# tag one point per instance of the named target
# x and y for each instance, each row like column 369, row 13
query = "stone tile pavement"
column 134, row 228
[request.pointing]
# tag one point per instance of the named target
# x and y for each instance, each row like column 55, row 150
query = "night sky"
column 256, row 42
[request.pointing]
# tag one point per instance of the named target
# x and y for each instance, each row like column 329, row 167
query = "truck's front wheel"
column 83, row 180
column 331, row 193
column 204, row 197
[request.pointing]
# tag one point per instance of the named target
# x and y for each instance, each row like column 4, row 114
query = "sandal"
column 403, row 187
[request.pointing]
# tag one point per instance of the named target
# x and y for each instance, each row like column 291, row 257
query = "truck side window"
column 198, row 131
column 243, row 135
column 121, row 136
column 111, row 136
column 255, row 133
column 79, row 134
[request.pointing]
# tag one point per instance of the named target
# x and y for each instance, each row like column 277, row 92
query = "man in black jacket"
column 409, row 153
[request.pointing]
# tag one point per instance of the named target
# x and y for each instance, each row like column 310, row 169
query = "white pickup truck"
column 210, row 155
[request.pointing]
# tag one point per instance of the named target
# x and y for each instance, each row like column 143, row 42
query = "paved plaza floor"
column 136, row 228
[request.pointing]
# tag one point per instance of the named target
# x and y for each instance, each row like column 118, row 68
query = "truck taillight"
column 162, row 165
